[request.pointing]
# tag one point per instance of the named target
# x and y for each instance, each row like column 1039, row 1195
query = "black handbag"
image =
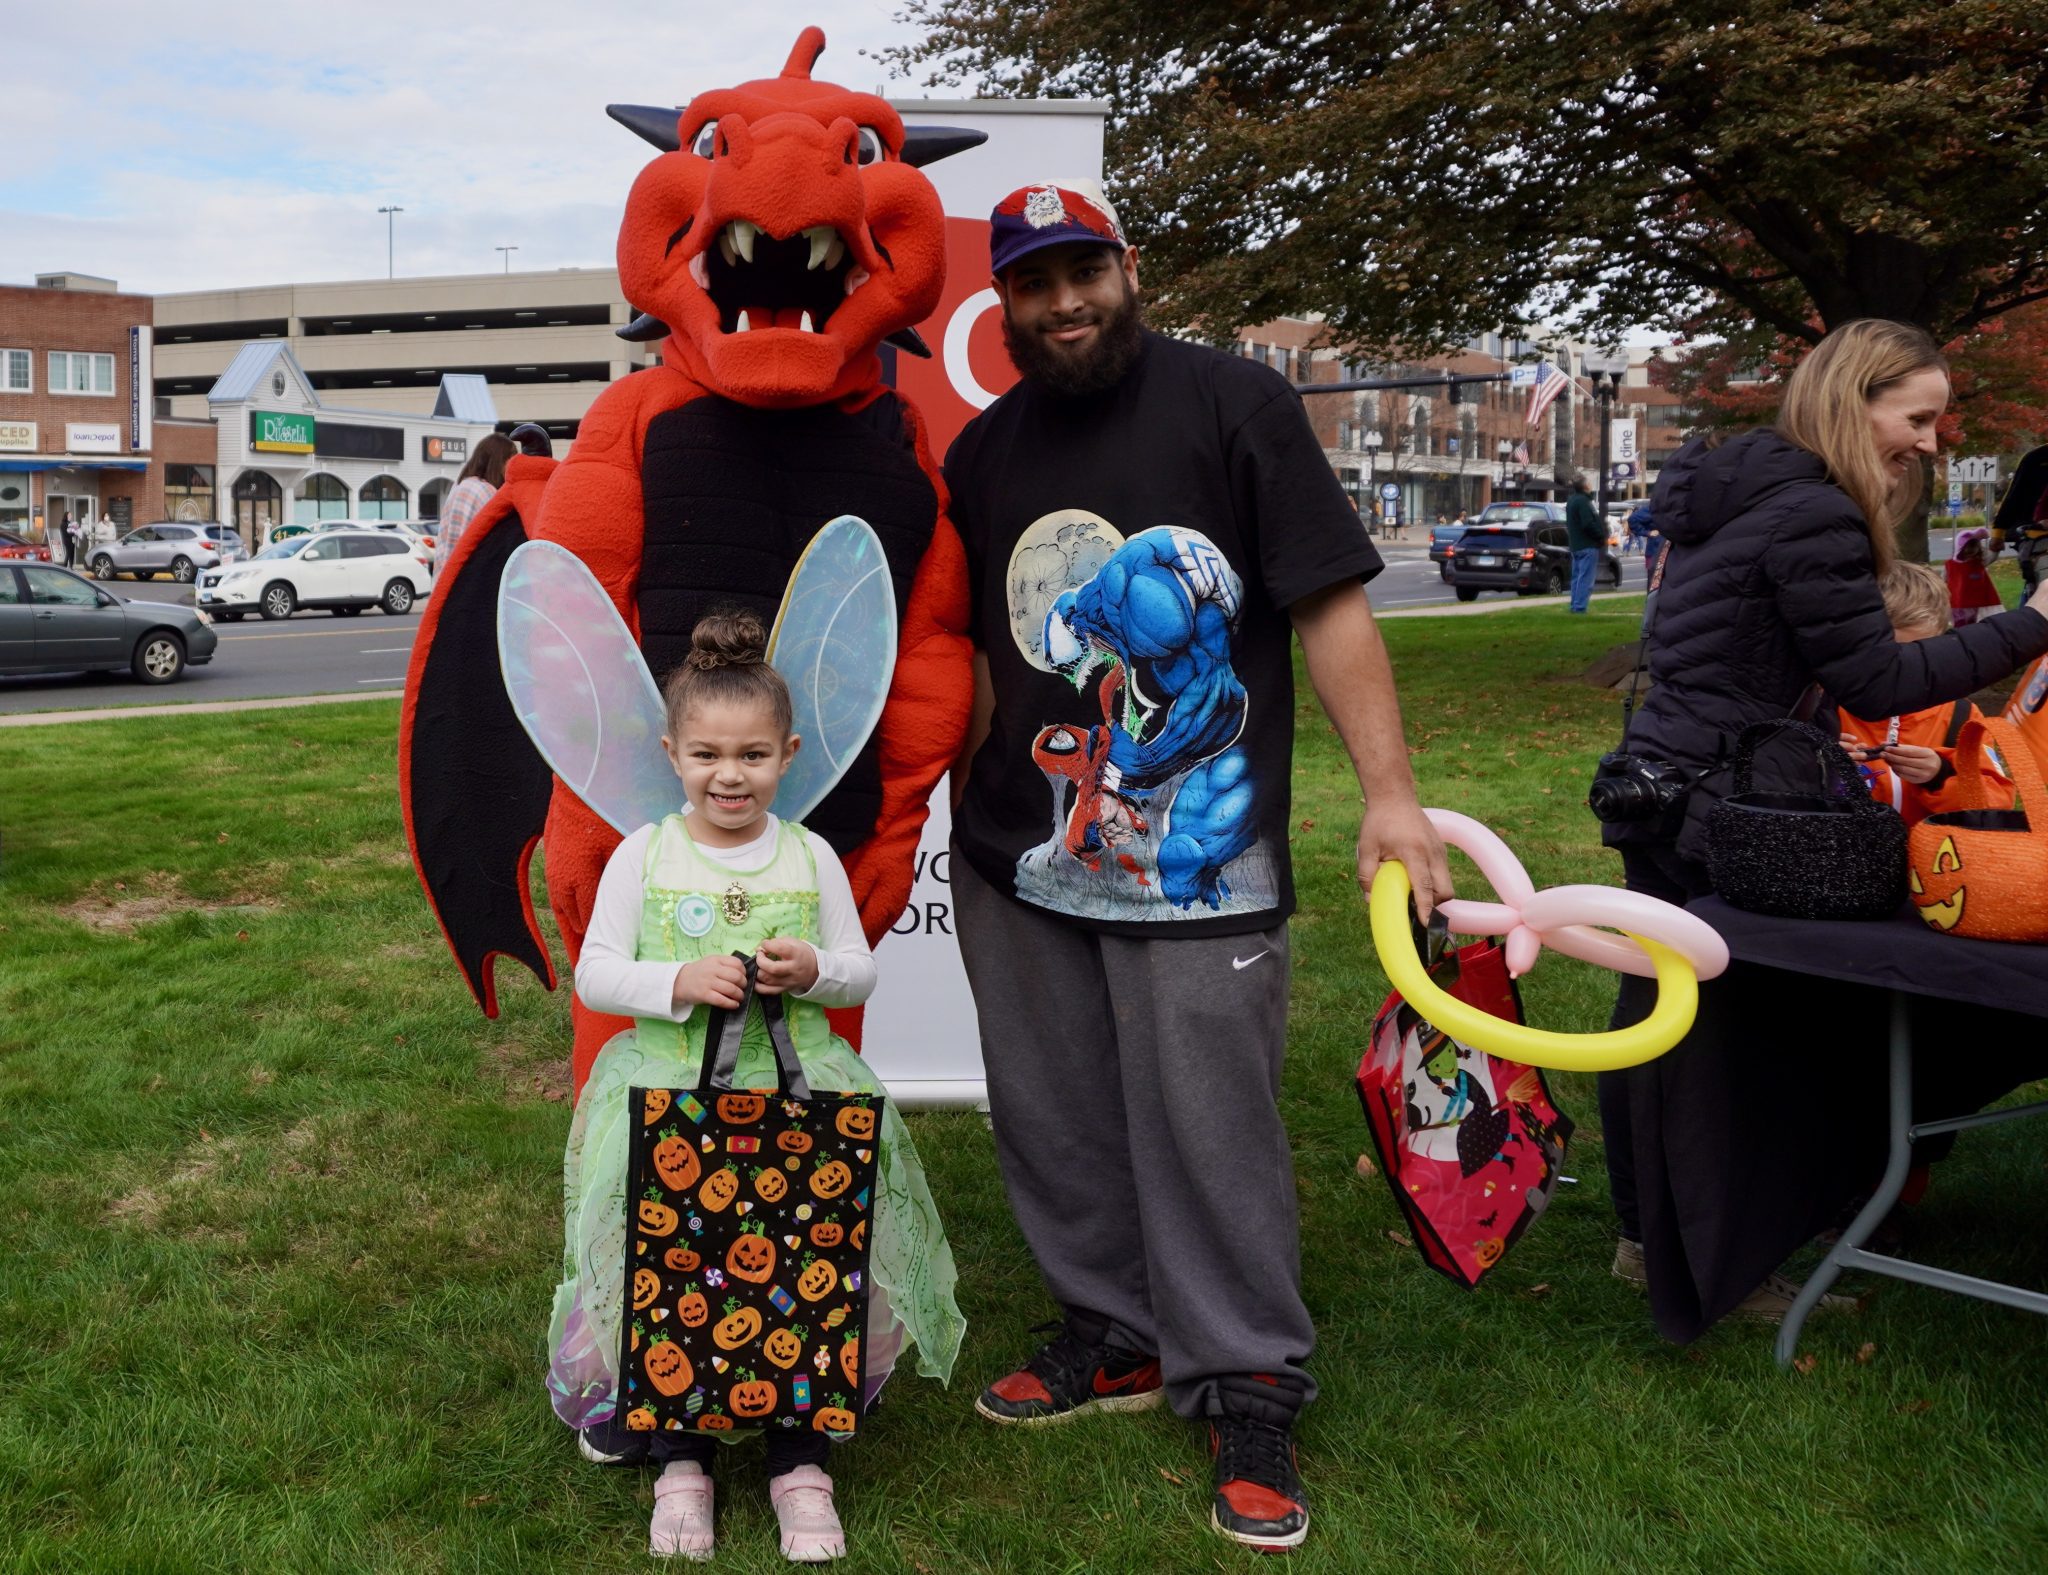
column 747, row 1257
column 1832, row 854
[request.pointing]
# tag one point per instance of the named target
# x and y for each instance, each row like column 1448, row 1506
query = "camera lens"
column 1620, row 798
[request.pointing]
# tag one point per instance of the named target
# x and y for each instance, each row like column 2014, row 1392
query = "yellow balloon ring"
column 1678, row 999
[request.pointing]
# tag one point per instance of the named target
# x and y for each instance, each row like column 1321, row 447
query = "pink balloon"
column 1575, row 920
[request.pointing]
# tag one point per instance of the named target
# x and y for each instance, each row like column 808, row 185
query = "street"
column 316, row 653
column 309, row 654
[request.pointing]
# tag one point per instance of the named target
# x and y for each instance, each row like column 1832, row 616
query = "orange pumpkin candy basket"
column 1982, row 871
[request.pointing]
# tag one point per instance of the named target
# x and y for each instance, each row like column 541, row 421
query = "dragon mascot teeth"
column 781, row 238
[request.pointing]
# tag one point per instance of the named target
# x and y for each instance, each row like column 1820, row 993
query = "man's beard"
column 1100, row 366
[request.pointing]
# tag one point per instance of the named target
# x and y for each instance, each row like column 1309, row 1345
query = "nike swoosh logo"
column 1242, row 963
column 1105, row 1385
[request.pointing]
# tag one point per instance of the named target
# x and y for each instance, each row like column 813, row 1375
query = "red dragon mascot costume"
column 783, row 235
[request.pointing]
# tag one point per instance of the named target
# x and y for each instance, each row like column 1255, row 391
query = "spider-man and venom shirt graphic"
column 1136, row 592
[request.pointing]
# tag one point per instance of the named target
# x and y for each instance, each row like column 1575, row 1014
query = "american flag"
column 1550, row 382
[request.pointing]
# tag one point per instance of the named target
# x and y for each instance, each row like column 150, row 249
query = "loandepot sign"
column 281, row 431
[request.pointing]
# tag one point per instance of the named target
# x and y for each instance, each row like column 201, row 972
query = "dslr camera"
column 1628, row 788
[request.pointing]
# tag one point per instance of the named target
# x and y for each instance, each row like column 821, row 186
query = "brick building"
column 78, row 426
column 1442, row 457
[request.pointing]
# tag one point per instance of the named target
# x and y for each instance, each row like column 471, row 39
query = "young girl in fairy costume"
column 677, row 901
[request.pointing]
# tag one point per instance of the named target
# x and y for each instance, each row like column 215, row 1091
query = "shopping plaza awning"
column 72, row 462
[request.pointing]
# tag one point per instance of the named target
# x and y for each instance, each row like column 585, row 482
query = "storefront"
column 286, row 457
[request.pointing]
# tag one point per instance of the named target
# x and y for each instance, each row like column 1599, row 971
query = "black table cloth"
column 1769, row 1118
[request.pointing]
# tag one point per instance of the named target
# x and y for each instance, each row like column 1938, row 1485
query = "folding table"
column 1903, row 958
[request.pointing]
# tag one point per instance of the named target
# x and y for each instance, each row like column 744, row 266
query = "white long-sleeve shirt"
column 609, row 978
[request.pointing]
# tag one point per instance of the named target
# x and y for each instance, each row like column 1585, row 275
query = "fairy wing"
column 834, row 643
column 581, row 688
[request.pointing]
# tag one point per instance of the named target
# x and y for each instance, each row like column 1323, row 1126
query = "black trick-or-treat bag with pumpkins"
column 747, row 1247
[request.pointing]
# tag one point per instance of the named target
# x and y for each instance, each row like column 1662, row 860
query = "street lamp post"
column 1502, row 450
column 390, row 239
column 1372, row 465
column 506, row 252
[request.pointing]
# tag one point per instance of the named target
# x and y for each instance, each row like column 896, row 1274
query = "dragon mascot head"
column 782, row 236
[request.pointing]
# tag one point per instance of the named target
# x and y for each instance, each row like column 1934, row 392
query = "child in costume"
column 1909, row 761
column 1970, row 590
column 676, row 902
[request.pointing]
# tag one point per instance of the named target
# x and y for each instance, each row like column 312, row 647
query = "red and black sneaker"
column 1259, row 1498
column 1070, row 1375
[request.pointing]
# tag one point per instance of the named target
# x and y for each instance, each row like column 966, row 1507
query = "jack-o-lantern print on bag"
column 747, row 1245
column 1982, row 872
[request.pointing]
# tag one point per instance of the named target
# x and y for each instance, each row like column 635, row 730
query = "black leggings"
column 1656, row 870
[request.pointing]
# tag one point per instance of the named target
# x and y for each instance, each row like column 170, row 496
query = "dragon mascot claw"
column 783, row 234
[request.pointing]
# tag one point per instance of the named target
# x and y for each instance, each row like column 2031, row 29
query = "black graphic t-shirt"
column 1131, row 557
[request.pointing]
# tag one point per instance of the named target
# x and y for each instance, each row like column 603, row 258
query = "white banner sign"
column 920, row 1035
column 1621, row 441
column 92, row 437
column 17, row 437
column 1978, row 472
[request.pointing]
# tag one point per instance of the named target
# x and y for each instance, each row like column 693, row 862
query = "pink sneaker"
column 811, row 1533
column 682, row 1513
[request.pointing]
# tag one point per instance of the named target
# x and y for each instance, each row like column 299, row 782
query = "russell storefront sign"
column 281, row 431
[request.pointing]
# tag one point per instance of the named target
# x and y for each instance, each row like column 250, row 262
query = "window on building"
column 188, row 492
column 81, row 372
column 1343, row 434
column 17, row 375
column 433, row 496
column 384, row 498
column 321, row 497
column 14, row 503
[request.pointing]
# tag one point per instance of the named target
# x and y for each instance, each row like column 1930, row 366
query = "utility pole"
column 390, row 239
column 506, row 252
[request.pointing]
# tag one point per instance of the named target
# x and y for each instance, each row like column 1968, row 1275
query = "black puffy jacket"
column 1770, row 586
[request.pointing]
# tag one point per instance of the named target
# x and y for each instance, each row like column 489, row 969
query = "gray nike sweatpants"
column 1133, row 1088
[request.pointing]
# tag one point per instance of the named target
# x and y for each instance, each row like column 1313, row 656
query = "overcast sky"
column 213, row 144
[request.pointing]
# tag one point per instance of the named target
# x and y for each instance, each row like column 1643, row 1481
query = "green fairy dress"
column 694, row 908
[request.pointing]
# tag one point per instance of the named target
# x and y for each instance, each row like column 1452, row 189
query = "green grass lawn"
column 279, row 1212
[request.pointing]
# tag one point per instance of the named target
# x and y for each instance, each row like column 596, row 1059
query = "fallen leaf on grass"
column 1175, row 1480
column 220, row 836
column 241, row 935
column 1399, row 1240
column 1917, row 1407
column 1865, row 1352
column 481, row 1499
column 1537, row 1290
column 1366, row 1167
column 1805, row 1364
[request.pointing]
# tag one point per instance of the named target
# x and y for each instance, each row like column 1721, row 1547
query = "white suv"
column 341, row 570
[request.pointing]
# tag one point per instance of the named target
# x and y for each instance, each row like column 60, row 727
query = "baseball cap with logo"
column 1050, row 213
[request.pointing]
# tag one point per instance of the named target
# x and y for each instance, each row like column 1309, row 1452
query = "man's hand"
column 1403, row 832
column 784, row 963
column 710, row 981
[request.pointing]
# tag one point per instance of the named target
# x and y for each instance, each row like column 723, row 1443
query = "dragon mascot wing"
column 782, row 235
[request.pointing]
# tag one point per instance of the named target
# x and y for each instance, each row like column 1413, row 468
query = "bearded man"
column 1148, row 523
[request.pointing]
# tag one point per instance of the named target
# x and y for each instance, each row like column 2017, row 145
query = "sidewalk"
column 203, row 708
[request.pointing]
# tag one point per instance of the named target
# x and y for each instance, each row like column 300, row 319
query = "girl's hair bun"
column 727, row 639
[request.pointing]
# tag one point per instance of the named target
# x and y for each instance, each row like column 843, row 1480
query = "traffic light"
column 1456, row 393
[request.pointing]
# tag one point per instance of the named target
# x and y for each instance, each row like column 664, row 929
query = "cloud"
column 256, row 145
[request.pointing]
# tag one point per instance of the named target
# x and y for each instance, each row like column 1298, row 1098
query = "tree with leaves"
column 1423, row 171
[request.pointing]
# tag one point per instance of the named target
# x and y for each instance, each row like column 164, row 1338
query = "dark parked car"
column 1528, row 557
column 1442, row 539
column 54, row 621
